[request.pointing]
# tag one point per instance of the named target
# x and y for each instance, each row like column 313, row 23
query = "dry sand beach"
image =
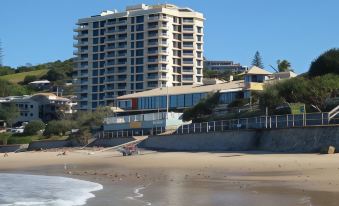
column 183, row 178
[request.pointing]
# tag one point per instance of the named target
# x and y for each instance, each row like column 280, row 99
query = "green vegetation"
column 33, row 127
column 8, row 112
column 9, row 138
column 284, row 65
column 29, row 78
column 10, row 89
column 19, row 77
column 257, row 60
column 326, row 63
column 203, row 108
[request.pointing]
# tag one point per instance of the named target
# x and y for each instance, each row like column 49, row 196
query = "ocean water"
column 38, row 190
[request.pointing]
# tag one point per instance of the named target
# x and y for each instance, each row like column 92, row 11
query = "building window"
column 140, row 19
column 96, row 32
column 139, row 27
column 139, row 60
column 139, row 86
column 95, row 24
column 140, row 69
column 140, row 44
column 140, row 36
column 139, row 52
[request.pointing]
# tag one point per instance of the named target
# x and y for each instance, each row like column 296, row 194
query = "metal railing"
column 261, row 122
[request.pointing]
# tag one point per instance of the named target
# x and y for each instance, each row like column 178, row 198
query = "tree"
column 328, row 62
column 257, row 60
column 59, row 127
column 9, row 112
column 283, row 65
column 10, row 89
column 33, row 127
column 204, row 107
column 29, row 78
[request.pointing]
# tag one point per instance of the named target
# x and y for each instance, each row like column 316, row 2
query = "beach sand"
column 189, row 178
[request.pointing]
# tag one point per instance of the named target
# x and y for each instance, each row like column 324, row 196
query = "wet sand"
column 182, row 178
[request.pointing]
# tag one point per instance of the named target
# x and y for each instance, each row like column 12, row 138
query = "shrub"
column 29, row 78
column 58, row 127
column 327, row 62
column 204, row 107
column 33, row 127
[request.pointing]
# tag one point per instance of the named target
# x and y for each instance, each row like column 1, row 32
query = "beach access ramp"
column 137, row 140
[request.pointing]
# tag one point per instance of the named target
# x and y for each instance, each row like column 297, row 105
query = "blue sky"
column 38, row 31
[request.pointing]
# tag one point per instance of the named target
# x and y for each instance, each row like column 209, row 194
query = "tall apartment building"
column 142, row 48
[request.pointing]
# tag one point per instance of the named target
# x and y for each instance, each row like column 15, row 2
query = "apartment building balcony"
column 164, row 35
column 78, row 52
column 187, row 54
column 163, row 44
column 110, row 31
column 122, row 39
column 110, row 48
column 187, row 62
column 78, row 44
column 121, row 47
column 152, row 60
column 121, row 55
column 152, row 68
column 152, row 44
column 152, row 52
column 110, row 39
column 81, row 28
column 153, row 26
column 153, row 35
column 122, row 22
column 164, row 52
column 110, row 56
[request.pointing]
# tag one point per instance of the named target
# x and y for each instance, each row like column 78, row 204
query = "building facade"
column 224, row 66
column 142, row 48
column 41, row 106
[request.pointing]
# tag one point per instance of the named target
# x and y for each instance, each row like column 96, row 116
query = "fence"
column 261, row 122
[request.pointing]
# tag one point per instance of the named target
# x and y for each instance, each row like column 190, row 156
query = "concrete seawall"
column 12, row 148
column 228, row 141
column 310, row 139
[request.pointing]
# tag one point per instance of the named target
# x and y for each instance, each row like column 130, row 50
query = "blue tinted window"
column 139, row 27
column 181, row 100
column 140, row 36
column 95, row 81
column 95, row 49
column 95, row 64
column 140, row 77
column 188, row 100
column 95, row 32
column 139, row 60
column 173, row 101
column 140, row 44
column 95, row 72
column 139, row 52
column 140, row 69
column 94, row 88
column 95, row 24
column 95, row 40
column 140, row 19
column 94, row 96
column 139, row 86
column 95, row 56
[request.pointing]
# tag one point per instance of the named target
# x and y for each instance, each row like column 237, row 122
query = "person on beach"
column 5, row 155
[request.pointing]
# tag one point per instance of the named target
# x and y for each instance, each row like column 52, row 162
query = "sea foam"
column 38, row 190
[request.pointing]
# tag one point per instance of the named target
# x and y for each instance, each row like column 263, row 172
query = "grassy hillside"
column 18, row 77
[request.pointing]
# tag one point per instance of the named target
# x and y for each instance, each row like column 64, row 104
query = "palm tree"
column 284, row 65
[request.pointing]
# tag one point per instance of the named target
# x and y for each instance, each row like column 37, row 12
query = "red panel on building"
column 135, row 103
